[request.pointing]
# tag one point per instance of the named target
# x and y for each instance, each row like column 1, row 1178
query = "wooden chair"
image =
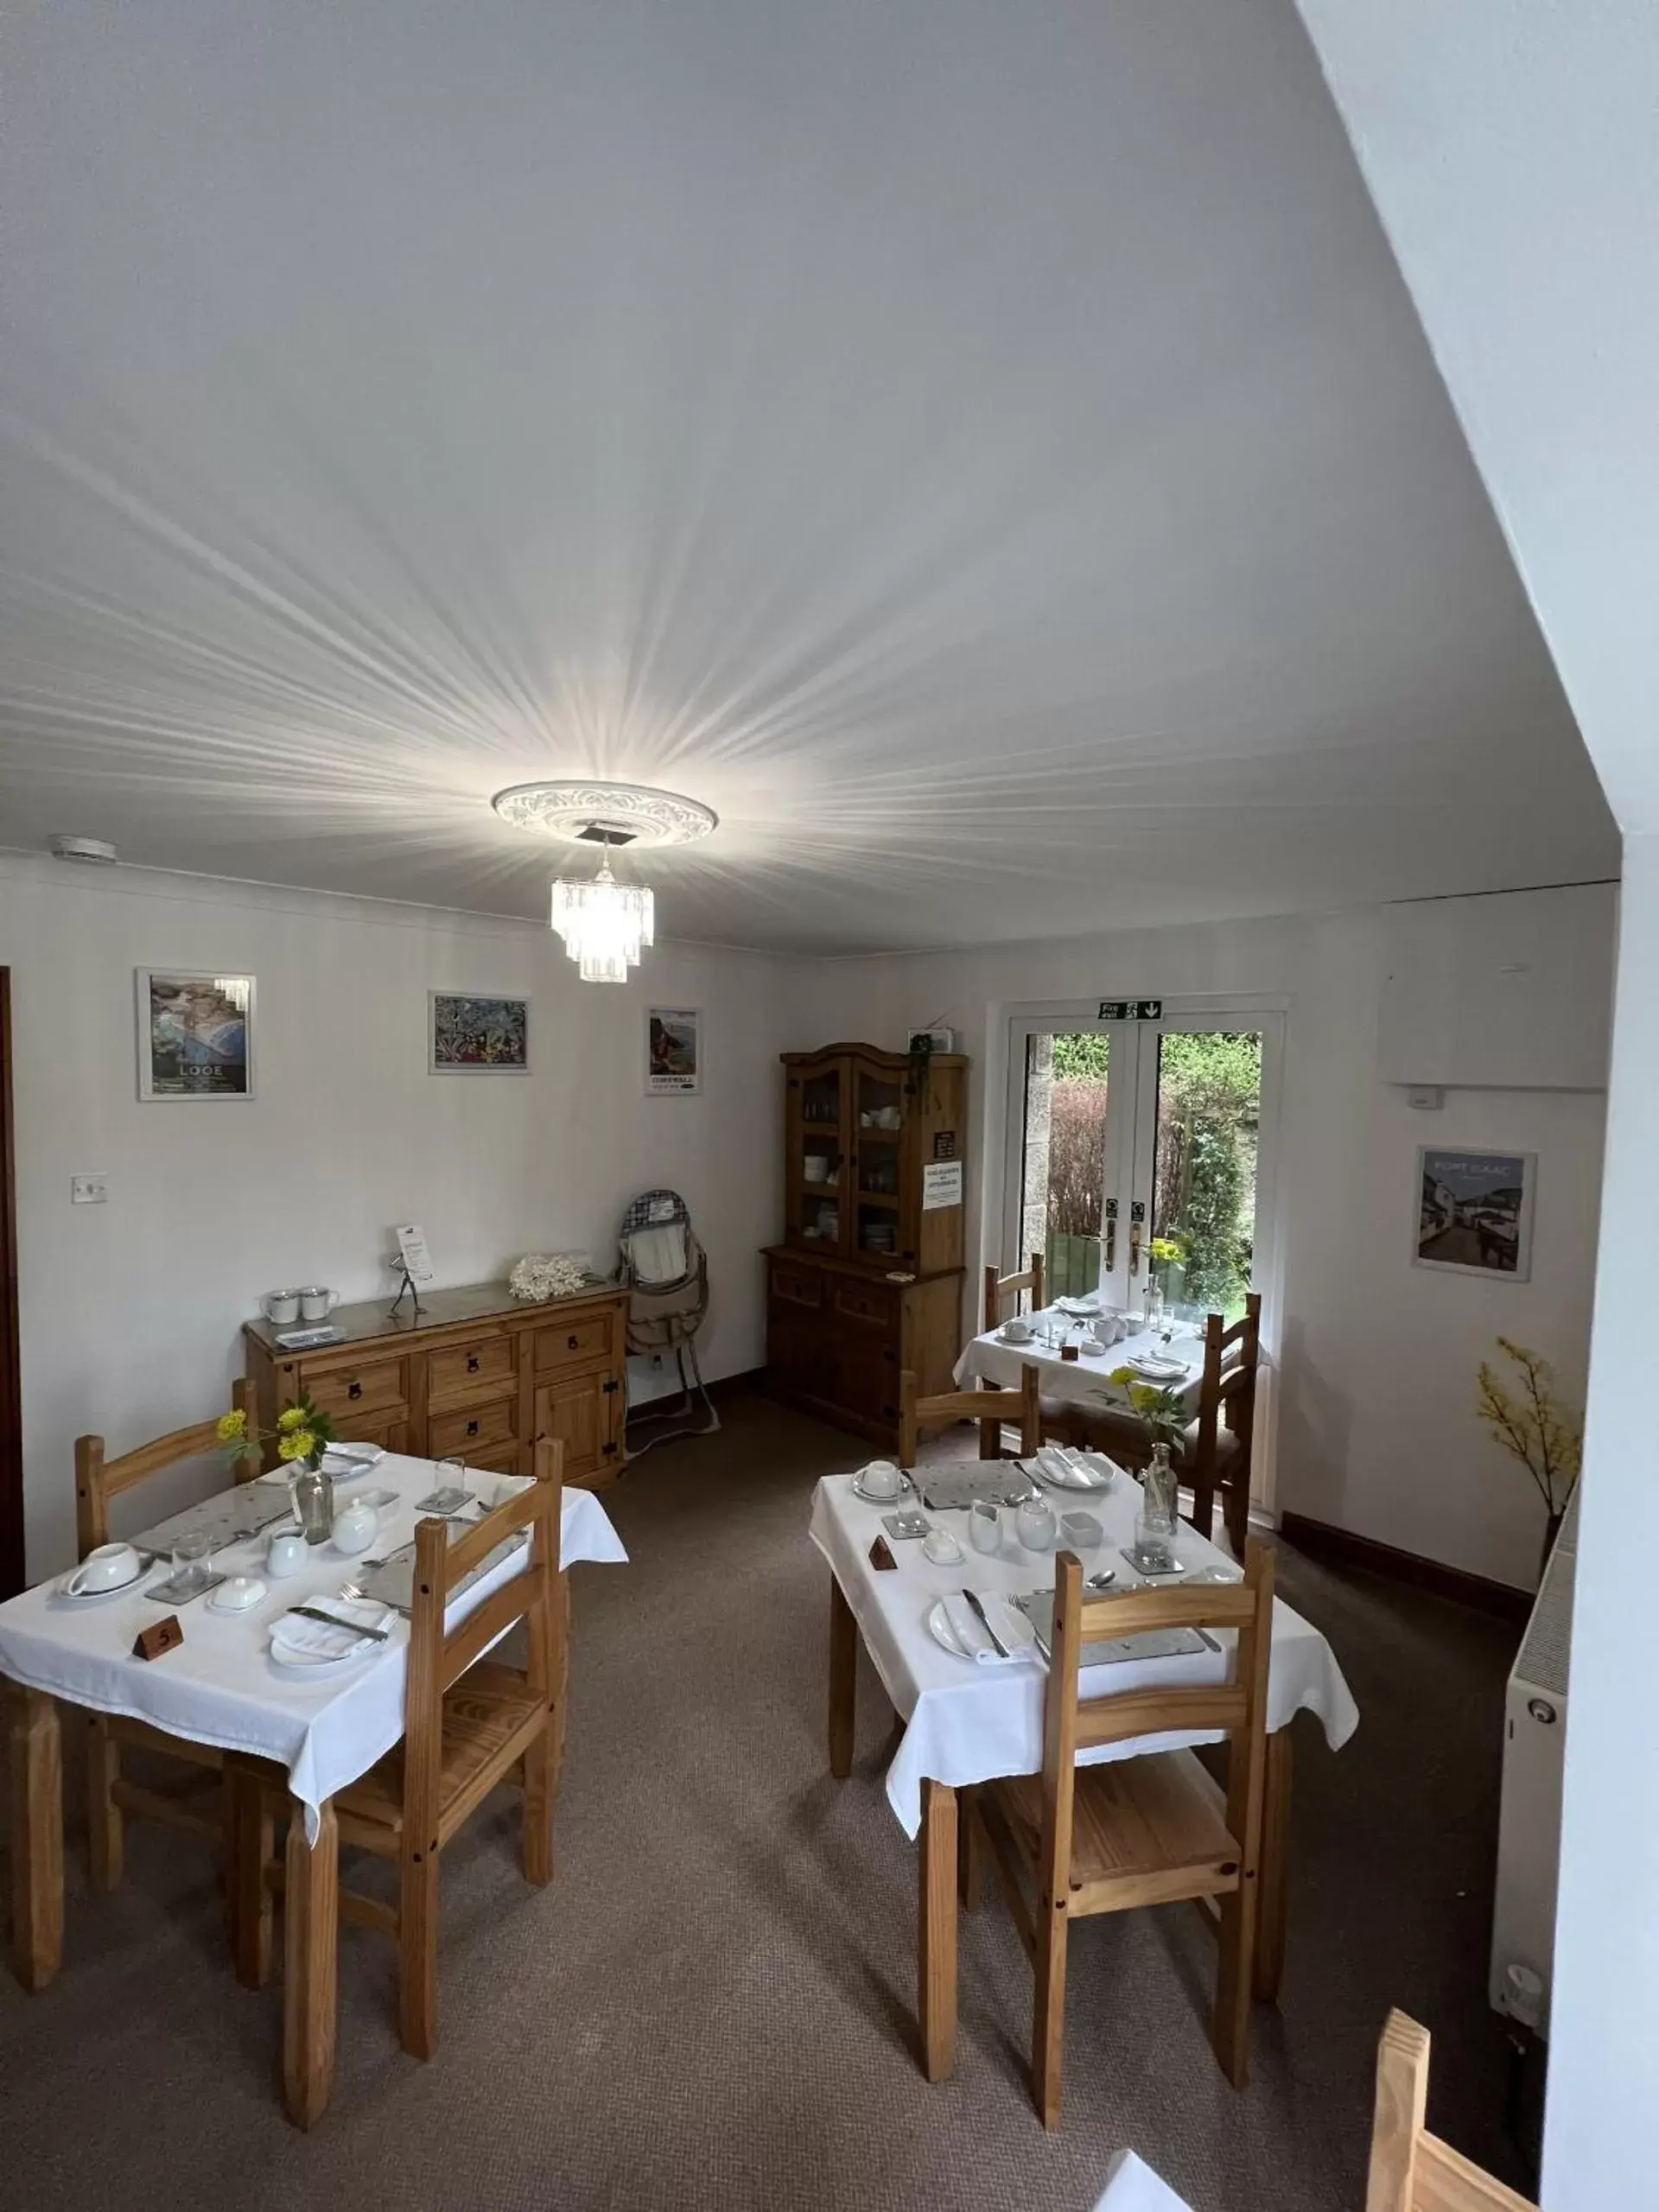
column 997, row 1289
column 1412, row 2170
column 987, row 1407
column 1076, row 1841
column 470, row 1724
column 1001, row 1287
column 1216, row 1449
column 111, row 1797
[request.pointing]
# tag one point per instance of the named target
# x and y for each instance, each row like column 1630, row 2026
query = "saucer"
column 875, row 1497
column 103, row 1589
column 1019, row 1343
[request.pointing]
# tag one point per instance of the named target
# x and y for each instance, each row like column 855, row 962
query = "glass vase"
column 1155, row 1523
column 312, row 1493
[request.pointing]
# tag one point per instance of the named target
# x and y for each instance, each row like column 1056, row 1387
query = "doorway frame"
column 1268, row 1011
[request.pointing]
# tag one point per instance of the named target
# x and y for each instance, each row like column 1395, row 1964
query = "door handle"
column 1111, row 1235
column 354, row 1390
column 472, row 1428
column 471, row 1363
column 1135, row 1248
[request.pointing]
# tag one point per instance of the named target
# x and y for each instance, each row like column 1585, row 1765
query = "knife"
column 985, row 1623
column 332, row 1620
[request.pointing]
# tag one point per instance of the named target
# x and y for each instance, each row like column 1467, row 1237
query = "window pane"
column 1204, row 1176
column 1064, row 1158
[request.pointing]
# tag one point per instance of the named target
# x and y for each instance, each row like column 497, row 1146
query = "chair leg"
column 1235, row 1978
column 1048, row 2016
column 417, row 1952
column 1236, row 1512
column 105, row 1827
column 1204, row 1506
column 540, row 1782
column 250, row 1837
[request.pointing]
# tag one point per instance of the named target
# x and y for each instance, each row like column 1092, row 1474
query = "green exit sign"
column 1131, row 1010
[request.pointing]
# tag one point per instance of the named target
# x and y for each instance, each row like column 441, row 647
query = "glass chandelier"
column 605, row 924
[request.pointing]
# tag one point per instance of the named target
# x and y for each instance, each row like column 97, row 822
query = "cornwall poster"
column 1474, row 1211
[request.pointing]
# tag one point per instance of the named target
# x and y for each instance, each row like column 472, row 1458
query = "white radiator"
column 1529, row 1821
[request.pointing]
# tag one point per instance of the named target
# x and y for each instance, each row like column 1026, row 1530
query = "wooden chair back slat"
column 1188, row 1604
column 99, row 1479
column 917, row 1414
column 1412, row 2170
column 1160, row 1713
column 998, row 1288
column 470, row 1550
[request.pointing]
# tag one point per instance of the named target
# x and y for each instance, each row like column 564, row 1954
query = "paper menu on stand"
column 411, row 1243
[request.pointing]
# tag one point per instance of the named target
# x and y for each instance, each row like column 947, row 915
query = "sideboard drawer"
column 799, row 1285
column 367, row 1389
column 467, row 1370
column 478, row 1429
column 864, row 1301
column 573, row 1344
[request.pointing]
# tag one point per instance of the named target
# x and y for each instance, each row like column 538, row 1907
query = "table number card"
column 417, row 1261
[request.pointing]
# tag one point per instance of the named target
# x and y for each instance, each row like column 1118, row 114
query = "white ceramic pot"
column 356, row 1527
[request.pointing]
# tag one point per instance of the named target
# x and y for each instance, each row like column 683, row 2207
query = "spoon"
column 1102, row 1581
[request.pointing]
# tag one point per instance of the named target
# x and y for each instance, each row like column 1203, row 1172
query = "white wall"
column 1376, row 1431
column 131, row 1311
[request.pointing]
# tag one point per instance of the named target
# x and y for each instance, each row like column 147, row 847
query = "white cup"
column 106, row 1568
column 881, row 1479
column 818, row 1167
column 286, row 1553
column 1018, row 1331
column 317, row 1304
column 281, row 1306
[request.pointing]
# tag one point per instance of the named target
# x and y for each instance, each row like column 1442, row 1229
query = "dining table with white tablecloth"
column 964, row 1722
column 993, row 1356
column 221, row 1685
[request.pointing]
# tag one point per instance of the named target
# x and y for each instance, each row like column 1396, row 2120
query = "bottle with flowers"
column 302, row 1435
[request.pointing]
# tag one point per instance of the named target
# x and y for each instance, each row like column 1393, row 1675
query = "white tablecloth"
column 221, row 1685
column 1084, row 1380
column 969, row 1723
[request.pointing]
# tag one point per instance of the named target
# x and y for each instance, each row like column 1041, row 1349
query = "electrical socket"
column 88, row 1190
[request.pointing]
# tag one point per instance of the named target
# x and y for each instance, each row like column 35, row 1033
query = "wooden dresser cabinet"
column 868, row 1279
column 476, row 1376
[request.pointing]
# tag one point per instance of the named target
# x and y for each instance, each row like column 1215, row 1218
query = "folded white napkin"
column 1132, row 2186
column 1010, row 1624
column 297, row 1639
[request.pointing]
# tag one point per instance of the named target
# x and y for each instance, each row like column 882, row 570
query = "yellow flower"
column 291, row 1417
column 1143, row 1397
column 1123, row 1376
column 232, row 1426
column 298, row 1444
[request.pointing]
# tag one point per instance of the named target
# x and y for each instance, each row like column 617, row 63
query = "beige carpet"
column 713, row 2004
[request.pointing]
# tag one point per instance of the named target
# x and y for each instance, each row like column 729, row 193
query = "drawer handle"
column 472, row 1428
column 571, row 1343
column 354, row 1390
column 472, row 1363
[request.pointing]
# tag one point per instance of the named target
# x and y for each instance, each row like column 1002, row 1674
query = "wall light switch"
column 88, row 1190
column 1428, row 1097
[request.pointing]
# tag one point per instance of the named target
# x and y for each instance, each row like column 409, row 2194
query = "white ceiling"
column 985, row 452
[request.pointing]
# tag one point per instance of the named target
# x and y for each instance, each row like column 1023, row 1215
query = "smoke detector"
column 82, row 848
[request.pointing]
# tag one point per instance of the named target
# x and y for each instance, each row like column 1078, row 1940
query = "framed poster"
column 195, row 1035
column 673, row 1052
column 474, row 1036
column 1474, row 1211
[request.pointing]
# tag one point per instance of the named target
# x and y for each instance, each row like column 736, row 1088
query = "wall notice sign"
column 1131, row 1010
column 411, row 1242
column 941, row 1184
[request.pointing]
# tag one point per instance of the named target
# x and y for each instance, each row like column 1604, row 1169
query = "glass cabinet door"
column 818, row 1212
column 877, row 1136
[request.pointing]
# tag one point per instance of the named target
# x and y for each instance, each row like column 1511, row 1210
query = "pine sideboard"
column 476, row 1376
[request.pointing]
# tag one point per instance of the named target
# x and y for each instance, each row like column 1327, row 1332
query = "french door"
column 1139, row 1151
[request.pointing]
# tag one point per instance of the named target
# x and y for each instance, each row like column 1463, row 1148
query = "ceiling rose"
column 590, row 813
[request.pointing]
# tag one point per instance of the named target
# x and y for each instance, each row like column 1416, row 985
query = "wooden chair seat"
column 488, row 1719
column 1142, row 1829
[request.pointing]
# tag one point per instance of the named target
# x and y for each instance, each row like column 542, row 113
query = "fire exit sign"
column 1131, row 1010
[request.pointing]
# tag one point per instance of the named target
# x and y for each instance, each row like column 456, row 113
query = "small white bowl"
column 941, row 1547
column 236, row 1594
